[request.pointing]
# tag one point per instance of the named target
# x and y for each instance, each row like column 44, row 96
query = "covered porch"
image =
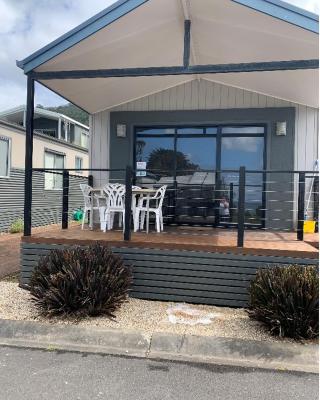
column 218, row 101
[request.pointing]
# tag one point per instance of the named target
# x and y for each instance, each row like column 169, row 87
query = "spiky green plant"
column 286, row 300
column 80, row 281
column 16, row 226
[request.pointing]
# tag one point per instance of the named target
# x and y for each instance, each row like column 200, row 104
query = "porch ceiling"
column 151, row 34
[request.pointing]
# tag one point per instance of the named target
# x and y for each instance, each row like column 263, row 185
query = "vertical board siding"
column 46, row 204
column 203, row 94
column 99, row 146
column 190, row 276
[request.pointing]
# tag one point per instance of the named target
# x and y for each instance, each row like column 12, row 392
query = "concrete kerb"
column 211, row 350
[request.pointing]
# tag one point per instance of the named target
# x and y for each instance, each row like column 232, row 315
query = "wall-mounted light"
column 281, row 128
column 121, row 130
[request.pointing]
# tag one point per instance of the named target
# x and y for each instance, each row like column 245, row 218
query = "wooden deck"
column 189, row 238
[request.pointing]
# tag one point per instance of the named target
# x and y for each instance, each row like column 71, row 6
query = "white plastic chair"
column 88, row 203
column 114, row 205
column 142, row 209
column 135, row 199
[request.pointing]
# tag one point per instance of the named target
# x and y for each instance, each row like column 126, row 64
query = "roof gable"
column 275, row 8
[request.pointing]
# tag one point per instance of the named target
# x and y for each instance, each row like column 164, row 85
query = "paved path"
column 9, row 254
column 34, row 374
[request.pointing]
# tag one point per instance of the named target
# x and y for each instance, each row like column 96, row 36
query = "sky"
column 28, row 25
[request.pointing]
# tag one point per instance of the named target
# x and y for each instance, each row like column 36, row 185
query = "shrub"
column 80, row 281
column 16, row 226
column 286, row 300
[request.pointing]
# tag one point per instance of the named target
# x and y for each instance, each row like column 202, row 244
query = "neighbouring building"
column 49, row 152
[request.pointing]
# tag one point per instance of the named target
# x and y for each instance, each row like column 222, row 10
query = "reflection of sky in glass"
column 251, row 130
column 200, row 151
column 242, row 151
column 247, row 152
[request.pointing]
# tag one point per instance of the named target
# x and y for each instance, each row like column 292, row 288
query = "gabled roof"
column 149, row 33
column 275, row 8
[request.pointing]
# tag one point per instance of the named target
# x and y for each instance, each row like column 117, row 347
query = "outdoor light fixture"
column 121, row 130
column 281, row 128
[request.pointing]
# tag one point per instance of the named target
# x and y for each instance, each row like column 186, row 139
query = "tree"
column 166, row 161
column 72, row 111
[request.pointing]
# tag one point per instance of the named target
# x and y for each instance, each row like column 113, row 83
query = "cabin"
column 218, row 101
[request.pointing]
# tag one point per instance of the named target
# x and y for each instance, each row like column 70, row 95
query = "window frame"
column 138, row 133
column 79, row 170
column 9, row 140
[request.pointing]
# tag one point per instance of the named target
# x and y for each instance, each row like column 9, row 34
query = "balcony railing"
column 270, row 200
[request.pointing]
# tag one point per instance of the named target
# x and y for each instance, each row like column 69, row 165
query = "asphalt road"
column 35, row 374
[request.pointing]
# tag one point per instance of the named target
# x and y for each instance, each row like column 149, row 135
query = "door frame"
column 218, row 137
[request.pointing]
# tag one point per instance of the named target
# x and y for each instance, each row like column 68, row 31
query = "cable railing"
column 239, row 199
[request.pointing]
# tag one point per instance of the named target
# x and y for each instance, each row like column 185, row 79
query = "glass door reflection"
column 247, row 152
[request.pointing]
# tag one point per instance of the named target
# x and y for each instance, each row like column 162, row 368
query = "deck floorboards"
column 189, row 238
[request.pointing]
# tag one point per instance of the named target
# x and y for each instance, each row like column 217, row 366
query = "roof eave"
column 285, row 12
column 81, row 32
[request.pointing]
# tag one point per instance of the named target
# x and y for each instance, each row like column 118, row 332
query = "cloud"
column 310, row 5
column 246, row 144
column 27, row 25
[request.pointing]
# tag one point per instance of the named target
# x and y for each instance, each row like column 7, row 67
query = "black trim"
column 179, row 70
column 28, row 157
column 186, row 51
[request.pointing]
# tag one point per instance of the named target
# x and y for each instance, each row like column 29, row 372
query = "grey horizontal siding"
column 196, row 277
column 46, row 204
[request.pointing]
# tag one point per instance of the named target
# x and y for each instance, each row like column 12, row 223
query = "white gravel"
column 142, row 315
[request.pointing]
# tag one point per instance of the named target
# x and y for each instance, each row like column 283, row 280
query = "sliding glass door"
column 188, row 160
column 244, row 147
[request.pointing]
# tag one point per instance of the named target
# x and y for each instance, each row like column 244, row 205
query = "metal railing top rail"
column 251, row 171
column 79, row 169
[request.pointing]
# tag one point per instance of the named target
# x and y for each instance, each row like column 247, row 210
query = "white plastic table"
column 146, row 192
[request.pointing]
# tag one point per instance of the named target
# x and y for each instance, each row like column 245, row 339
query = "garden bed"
column 140, row 315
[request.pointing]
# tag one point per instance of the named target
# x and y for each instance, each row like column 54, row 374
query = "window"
column 189, row 157
column 79, row 164
column 4, row 156
column 84, row 140
column 243, row 130
column 52, row 160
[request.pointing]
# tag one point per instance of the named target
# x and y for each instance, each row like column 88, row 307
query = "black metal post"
column 90, row 183
column 186, row 52
column 127, row 204
column 231, row 201
column 90, row 180
column 241, row 205
column 28, row 157
column 301, row 198
column 217, row 199
column 65, row 199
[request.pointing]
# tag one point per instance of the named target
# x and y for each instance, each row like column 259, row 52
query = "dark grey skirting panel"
column 187, row 276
